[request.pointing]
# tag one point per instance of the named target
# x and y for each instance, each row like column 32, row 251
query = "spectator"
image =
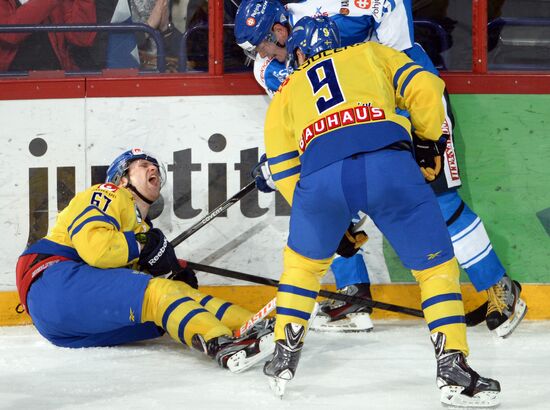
column 110, row 50
column 154, row 13
column 43, row 50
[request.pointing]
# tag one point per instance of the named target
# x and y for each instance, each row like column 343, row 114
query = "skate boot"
column 282, row 367
column 339, row 316
column 238, row 354
column 505, row 308
column 460, row 385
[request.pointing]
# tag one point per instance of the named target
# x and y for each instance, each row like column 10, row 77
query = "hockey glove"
column 429, row 156
column 186, row 275
column 351, row 242
column 157, row 256
column 262, row 175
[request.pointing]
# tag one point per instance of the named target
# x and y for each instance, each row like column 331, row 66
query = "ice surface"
column 392, row 367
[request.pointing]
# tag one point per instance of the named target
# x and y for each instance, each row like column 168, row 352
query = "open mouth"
column 154, row 180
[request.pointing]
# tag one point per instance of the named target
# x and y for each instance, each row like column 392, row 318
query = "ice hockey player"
column 94, row 279
column 333, row 127
column 391, row 24
column 263, row 23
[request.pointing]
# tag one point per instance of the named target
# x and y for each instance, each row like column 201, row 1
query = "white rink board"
column 82, row 133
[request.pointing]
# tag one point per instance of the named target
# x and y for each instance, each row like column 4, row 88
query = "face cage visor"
column 250, row 50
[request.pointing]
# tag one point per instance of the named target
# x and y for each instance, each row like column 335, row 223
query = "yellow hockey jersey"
column 98, row 227
column 342, row 102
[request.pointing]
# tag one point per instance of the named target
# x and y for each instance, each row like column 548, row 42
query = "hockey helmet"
column 119, row 167
column 311, row 36
column 254, row 21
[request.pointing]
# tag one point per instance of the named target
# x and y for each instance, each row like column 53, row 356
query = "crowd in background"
column 183, row 29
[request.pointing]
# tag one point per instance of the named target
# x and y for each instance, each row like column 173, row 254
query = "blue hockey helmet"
column 311, row 36
column 119, row 167
column 254, row 21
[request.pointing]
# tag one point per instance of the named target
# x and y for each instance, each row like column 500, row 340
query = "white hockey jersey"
column 388, row 22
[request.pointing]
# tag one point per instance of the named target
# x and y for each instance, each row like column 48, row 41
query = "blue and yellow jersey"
column 341, row 102
column 98, row 227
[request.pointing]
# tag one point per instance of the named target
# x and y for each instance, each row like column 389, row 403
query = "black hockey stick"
column 473, row 318
column 477, row 316
column 325, row 293
column 214, row 213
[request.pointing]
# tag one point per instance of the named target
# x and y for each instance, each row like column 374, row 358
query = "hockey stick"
column 214, row 213
column 477, row 316
column 325, row 293
column 262, row 313
column 472, row 318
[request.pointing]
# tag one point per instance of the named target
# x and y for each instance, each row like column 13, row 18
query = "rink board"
column 255, row 297
column 54, row 148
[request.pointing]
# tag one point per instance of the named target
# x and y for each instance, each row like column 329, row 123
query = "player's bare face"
column 145, row 176
column 274, row 47
column 271, row 50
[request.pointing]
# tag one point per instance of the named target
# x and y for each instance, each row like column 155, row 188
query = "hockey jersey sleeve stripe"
column 96, row 218
column 298, row 291
column 285, row 174
column 133, row 248
column 449, row 320
column 441, row 298
column 222, row 309
column 293, row 312
column 283, row 157
column 400, row 72
column 171, row 308
column 408, row 80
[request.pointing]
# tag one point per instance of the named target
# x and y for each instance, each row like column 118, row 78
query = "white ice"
column 392, row 367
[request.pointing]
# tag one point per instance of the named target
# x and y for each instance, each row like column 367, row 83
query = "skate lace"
column 497, row 299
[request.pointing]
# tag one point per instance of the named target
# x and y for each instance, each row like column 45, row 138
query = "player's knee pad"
column 305, row 268
column 298, row 288
column 157, row 291
column 442, row 303
column 169, row 305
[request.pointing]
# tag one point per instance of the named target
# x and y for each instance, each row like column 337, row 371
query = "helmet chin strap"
column 133, row 188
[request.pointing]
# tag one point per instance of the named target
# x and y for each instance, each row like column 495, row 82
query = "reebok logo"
column 159, row 254
column 433, row 255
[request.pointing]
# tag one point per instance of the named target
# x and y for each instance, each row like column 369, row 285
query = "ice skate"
column 239, row 354
column 505, row 309
column 460, row 385
column 339, row 316
column 282, row 367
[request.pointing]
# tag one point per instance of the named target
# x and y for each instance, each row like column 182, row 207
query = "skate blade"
column 354, row 322
column 240, row 361
column 506, row 329
column 277, row 386
column 451, row 397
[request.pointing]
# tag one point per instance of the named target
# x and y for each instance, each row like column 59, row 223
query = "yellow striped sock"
column 442, row 303
column 298, row 288
column 167, row 303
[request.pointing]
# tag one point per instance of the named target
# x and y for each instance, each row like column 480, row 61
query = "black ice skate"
column 282, row 367
column 505, row 308
column 339, row 316
column 238, row 354
column 460, row 385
